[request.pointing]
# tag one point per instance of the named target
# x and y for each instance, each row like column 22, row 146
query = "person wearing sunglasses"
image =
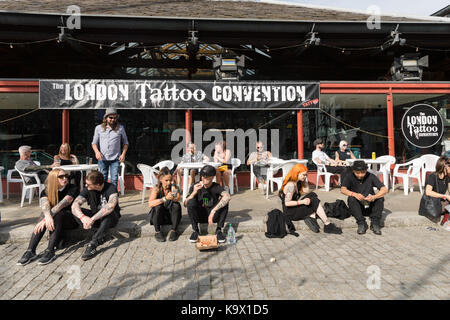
column 343, row 153
column 56, row 216
column 106, row 143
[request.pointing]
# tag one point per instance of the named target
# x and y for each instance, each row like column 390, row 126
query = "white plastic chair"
column 322, row 171
column 149, row 175
column 384, row 169
column 166, row 163
column 429, row 165
column 121, row 178
column 285, row 168
column 30, row 187
column 413, row 172
column 235, row 163
column 10, row 179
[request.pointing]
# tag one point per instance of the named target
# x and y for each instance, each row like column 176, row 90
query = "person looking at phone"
column 164, row 206
column 362, row 200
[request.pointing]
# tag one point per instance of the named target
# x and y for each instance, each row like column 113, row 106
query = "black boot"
column 362, row 227
column 375, row 227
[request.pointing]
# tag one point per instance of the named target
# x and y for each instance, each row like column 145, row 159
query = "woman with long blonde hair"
column 299, row 203
column 56, row 215
column 64, row 158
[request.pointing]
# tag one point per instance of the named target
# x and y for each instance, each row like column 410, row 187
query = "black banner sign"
column 137, row 94
column 422, row 126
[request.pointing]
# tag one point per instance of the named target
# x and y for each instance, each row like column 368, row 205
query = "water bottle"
column 231, row 235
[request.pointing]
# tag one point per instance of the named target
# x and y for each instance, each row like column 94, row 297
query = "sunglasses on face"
column 63, row 176
column 344, row 145
column 112, row 118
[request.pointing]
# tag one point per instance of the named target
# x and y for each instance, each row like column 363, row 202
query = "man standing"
column 207, row 202
column 106, row 145
column 362, row 200
column 26, row 165
column 260, row 159
column 102, row 198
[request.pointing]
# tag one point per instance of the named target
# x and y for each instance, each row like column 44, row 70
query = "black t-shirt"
column 97, row 199
column 70, row 190
column 441, row 186
column 208, row 198
column 344, row 155
column 364, row 186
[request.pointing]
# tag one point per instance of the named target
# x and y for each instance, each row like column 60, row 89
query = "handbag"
column 429, row 206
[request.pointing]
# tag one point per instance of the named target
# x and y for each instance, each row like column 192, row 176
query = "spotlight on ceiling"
column 228, row 67
column 408, row 67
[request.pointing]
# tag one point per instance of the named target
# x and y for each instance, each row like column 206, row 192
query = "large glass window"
column 148, row 131
column 405, row 151
column 360, row 119
column 277, row 129
column 40, row 129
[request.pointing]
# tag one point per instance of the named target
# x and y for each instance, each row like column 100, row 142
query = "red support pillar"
column 65, row 126
column 188, row 121
column 390, row 122
column 300, row 133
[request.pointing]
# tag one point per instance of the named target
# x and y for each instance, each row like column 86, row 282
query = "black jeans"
column 102, row 225
column 199, row 214
column 300, row 212
column 161, row 215
column 63, row 220
column 358, row 211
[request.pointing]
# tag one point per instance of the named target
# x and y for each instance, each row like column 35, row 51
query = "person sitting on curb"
column 207, row 202
column 299, row 203
column 26, row 165
column 103, row 199
column 56, row 216
column 437, row 185
column 165, row 208
column 362, row 200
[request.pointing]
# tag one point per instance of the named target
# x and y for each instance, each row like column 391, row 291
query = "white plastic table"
column 375, row 162
column 79, row 167
column 193, row 165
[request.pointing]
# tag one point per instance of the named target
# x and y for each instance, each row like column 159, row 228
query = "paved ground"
column 412, row 261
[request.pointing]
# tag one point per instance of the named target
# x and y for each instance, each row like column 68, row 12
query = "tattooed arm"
column 224, row 199
column 108, row 208
column 76, row 207
column 289, row 191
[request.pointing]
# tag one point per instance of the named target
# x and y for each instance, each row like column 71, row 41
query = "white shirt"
column 322, row 156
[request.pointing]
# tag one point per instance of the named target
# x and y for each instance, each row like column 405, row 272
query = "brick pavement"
column 413, row 264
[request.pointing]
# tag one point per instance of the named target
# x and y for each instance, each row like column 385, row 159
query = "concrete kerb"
column 134, row 221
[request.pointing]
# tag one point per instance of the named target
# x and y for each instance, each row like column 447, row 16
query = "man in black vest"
column 362, row 200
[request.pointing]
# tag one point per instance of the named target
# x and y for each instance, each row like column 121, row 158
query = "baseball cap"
column 208, row 171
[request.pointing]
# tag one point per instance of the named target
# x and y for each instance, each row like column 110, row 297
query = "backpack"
column 337, row 209
column 276, row 227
